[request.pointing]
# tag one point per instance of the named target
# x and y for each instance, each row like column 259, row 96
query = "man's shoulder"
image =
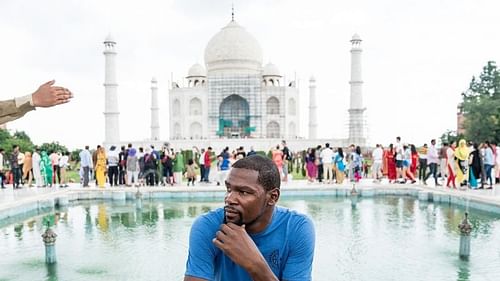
column 292, row 217
column 210, row 220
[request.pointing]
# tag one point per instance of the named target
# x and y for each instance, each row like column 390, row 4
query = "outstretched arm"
column 46, row 95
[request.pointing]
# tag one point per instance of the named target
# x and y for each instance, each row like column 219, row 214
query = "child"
column 190, row 171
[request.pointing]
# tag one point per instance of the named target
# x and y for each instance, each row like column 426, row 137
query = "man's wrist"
column 23, row 100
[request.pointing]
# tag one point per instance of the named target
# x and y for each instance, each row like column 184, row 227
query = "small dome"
column 197, row 70
column 356, row 37
column 153, row 80
column 271, row 70
column 312, row 79
column 233, row 48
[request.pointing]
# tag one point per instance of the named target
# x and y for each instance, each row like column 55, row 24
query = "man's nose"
column 230, row 198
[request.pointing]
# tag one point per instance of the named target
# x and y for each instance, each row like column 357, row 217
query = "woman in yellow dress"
column 100, row 167
column 462, row 156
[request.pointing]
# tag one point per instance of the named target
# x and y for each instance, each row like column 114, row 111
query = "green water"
column 386, row 238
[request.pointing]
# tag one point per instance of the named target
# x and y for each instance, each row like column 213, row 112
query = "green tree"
column 451, row 136
column 53, row 146
column 19, row 138
column 4, row 136
column 75, row 155
column 21, row 135
column 481, row 105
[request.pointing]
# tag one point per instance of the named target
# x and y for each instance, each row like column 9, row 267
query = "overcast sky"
column 418, row 56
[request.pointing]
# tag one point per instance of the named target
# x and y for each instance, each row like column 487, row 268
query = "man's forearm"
column 13, row 109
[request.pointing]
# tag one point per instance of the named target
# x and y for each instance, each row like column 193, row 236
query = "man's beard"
column 239, row 222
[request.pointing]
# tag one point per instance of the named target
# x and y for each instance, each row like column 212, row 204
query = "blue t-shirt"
column 287, row 244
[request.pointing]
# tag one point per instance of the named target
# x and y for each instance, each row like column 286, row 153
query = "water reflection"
column 51, row 272
column 385, row 238
column 172, row 213
column 18, row 229
column 102, row 218
column 88, row 221
column 315, row 209
column 463, row 272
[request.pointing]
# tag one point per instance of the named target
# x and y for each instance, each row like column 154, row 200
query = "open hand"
column 48, row 95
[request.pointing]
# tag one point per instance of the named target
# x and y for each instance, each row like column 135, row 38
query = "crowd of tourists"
column 466, row 164
column 40, row 168
column 473, row 165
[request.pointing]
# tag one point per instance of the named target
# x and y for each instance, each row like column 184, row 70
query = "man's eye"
column 244, row 193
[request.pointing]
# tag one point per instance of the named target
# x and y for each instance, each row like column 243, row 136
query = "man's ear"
column 274, row 195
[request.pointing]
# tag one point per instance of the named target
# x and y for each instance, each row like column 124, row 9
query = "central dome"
column 233, row 49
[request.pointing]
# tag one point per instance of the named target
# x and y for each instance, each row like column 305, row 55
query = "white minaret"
column 111, row 112
column 356, row 109
column 155, row 111
column 313, row 121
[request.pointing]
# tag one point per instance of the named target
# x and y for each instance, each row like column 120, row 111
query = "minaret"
column 111, row 112
column 155, row 111
column 313, row 121
column 356, row 109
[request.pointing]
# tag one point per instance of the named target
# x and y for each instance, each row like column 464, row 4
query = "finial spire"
column 232, row 11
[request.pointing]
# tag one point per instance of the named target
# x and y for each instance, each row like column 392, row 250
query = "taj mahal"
column 235, row 98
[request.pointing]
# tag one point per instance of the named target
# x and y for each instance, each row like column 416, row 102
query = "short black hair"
column 269, row 176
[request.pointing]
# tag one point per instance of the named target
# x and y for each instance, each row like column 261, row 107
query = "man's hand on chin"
column 235, row 242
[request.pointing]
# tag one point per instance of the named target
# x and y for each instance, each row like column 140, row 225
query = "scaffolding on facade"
column 234, row 106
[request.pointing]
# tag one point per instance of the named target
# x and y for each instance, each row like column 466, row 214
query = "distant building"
column 234, row 100
column 235, row 96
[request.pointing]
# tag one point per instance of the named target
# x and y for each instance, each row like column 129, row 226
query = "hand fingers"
column 60, row 101
column 58, row 88
column 225, row 228
column 49, row 83
column 60, row 91
column 234, row 226
column 220, row 236
column 218, row 244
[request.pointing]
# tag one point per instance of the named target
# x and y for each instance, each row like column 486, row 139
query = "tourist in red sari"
column 390, row 163
column 414, row 159
column 310, row 164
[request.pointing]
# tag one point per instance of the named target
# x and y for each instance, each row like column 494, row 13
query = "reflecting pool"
column 382, row 238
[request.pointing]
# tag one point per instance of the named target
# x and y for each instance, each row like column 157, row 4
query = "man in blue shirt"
column 251, row 238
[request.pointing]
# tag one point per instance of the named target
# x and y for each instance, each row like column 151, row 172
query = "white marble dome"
column 271, row 70
column 197, row 70
column 233, row 48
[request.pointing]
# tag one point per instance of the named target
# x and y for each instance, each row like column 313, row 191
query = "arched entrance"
column 195, row 130
column 234, row 117
column 273, row 130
